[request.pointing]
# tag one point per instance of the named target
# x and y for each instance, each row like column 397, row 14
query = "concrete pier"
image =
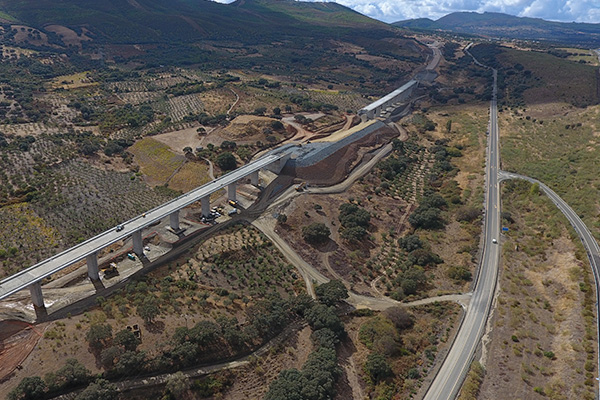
column 174, row 220
column 36, row 295
column 205, row 203
column 138, row 244
column 231, row 192
column 254, row 178
column 92, row 265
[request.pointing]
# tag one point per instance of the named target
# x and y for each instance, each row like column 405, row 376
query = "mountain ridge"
column 493, row 24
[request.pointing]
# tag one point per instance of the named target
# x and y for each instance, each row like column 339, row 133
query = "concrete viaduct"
column 374, row 109
column 31, row 277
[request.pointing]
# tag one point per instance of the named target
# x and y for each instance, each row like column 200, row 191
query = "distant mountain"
column 185, row 21
column 507, row 26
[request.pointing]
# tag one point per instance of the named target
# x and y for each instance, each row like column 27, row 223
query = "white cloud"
column 556, row 10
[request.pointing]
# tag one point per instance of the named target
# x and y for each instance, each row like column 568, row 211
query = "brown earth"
column 17, row 340
column 334, row 168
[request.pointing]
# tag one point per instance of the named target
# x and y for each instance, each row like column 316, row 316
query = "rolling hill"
column 184, row 21
column 491, row 24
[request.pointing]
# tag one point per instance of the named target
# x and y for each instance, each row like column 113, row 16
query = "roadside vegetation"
column 543, row 326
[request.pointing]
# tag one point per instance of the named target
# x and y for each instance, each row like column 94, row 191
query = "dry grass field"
column 156, row 160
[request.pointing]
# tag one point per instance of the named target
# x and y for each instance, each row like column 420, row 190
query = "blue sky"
column 555, row 10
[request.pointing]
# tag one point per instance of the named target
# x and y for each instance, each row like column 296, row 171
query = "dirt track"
column 17, row 340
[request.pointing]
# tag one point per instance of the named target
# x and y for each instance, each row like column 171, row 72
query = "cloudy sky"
column 555, row 10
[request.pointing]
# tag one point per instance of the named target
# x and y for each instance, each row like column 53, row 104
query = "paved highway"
column 449, row 378
column 62, row 260
column 590, row 244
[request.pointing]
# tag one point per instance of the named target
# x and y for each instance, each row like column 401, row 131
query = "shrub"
column 377, row 367
column 467, row 214
column 401, row 318
column 459, row 273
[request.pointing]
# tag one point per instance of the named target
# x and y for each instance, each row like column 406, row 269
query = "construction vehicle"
column 111, row 270
column 301, row 187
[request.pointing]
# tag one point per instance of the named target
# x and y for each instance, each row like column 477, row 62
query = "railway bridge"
column 31, row 277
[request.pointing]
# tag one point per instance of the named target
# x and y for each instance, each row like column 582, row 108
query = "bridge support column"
column 174, row 217
column 205, row 204
column 231, row 192
column 138, row 244
column 254, row 178
column 37, row 298
column 92, row 264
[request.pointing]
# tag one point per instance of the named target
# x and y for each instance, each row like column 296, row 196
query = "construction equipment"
column 301, row 187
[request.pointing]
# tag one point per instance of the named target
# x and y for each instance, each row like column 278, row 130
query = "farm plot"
column 81, row 200
column 25, row 238
column 252, row 98
column 344, row 100
column 136, row 98
column 128, row 86
column 156, row 160
column 23, row 169
column 181, row 106
column 190, row 176
column 403, row 175
column 164, row 81
column 61, row 112
column 243, row 261
column 31, row 128
column 217, row 101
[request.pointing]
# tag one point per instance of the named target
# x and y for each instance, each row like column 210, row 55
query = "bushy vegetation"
column 355, row 222
column 401, row 346
column 71, row 375
column 316, row 380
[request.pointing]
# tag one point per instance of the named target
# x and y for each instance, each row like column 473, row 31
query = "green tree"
column 288, row 386
column 426, row 218
column 110, row 356
column 410, row 243
column 30, row 388
column 377, row 367
column 316, row 233
column 320, row 316
column 131, row 362
column 99, row 336
column 226, row 161
column 331, row 293
column 99, row 390
column 423, row 257
column 149, row 309
column 282, row 218
column 73, row 373
column 126, row 339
